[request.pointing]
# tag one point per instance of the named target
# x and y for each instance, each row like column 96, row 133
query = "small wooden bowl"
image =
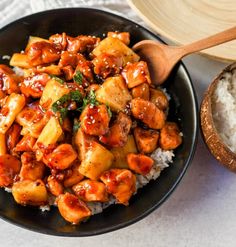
column 214, row 142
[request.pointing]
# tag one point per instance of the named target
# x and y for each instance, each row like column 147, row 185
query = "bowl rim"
column 187, row 163
column 208, row 120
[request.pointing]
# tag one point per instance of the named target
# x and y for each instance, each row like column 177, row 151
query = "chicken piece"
column 68, row 72
column 60, row 40
column 122, row 36
column 31, row 169
column 8, row 80
column 28, row 192
column 93, row 87
column 121, row 183
column 26, row 144
column 141, row 91
column 68, row 58
column 95, row 120
column 118, row 133
column 140, row 163
column 82, row 142
column 82, row 43
column 2, row 97
column 61, row 157
column 13, row 136
column 107, row 65
column 9, row 168
column 72, row 209
column 42, row 52
column 74, row 176
column 54, row 186
column 91, row 191
column 148, row 113
column 136, row 74
column 84, row 71
column 34, row 85
column 32, row 119
column 170, row 137
column 159, row 98
column 147, row 140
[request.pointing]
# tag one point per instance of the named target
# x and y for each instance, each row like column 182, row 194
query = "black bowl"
column 74, row 21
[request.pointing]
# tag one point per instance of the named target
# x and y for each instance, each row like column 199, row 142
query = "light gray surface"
column 199, row 213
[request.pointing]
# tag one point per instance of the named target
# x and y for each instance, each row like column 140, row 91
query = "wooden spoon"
column 162, row 58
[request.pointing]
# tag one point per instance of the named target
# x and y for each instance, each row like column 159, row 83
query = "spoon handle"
column 211, row 41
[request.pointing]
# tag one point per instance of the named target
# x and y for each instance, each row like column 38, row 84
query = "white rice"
column 18, row 71
column 9, row 190
column 6, row 57
column 224, row 109
column 45, row 208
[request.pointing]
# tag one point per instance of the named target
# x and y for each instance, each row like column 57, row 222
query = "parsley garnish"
column 90, row 99
column 109, row 111
column 62, row 104
column 78, row 77
column 75, row 96
column 57, row 79
column 76, row 125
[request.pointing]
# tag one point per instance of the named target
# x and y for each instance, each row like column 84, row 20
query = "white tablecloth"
column 200, row 212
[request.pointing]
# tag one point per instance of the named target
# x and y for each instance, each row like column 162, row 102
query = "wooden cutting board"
column 185, row 21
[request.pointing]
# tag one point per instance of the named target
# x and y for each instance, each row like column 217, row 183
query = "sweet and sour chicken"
column 80, row 123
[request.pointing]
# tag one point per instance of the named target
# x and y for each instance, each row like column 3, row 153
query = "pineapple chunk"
column 29, row 192
column 20, row 60
column 14, row 104
column 114, row 93
column 51, row 132
column 49, row 135
column 50, row 69
column 33, row 39
column 97, row 160
column 120, row 153
column 116, row 47
column 3, row 146
column 53, row 91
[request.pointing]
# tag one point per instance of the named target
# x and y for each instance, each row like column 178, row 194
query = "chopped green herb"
column 63, row 112
column 109, row 111
column 78, row 77
column 56, row 106
column 62, row 104
column 76, row 125
column 92, row 98
column 76, row 96
column 57, row 79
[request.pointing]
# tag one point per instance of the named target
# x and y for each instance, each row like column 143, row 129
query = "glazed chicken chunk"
column 146, row 140
column 170, row 137
column 95, row 120
column 148, row 113
column 118, row 133
column 120, row 183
